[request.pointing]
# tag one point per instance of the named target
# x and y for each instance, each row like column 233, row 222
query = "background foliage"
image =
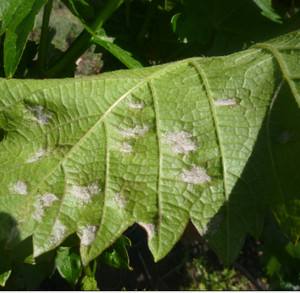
column 131, row 34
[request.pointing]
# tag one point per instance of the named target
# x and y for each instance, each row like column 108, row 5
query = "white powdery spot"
column 41, row 203
column 126, row 148
column 38, row 211
column 134, row 132
column 37, row 156
column 41, row 115
column 196, row 175
column 20, row 187
column 93, row 188
column 136, row 106
column 85, row 193
column 181, row 142
column 225, row 102
column 48, row 199
column 87, row 234
column 120, row 200
column 58, row 232
column 149, row 228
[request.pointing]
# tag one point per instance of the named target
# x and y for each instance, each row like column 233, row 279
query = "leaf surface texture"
column 198, row 140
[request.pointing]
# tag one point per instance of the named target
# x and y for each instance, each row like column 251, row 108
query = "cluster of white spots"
column 136, row 106
column 87, row 234
column 181, row 142
column 41, row 115
column 196, row 175
column 126, row 148
column 43, row 201
column 20, row 187
column 58, row 232
column 225, row 102
column 37, row 156
column 93, row 188
column 84, row 193
column 149, row 228
column 120, row 200
column 135, row 131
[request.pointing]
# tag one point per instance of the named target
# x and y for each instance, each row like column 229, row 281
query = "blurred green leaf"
column 18, row 21
column 170, row 4
column 100, row 38
column 89, row 283
column 108, row 44
column 222, row 27
column 68, row 264
column 117, row 255
column 267, row 10
column 87, row 11
column 4, row 277
column 293, row 250
column 273, row 266
column 7, row 11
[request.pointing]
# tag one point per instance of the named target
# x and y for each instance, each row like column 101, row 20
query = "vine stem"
column 44, row 40
column 82, row 42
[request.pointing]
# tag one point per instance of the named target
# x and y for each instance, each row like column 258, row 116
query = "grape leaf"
column 68, row 264
column 4, row 277
column 211, row 140
column 17, row 22
column 267, row 10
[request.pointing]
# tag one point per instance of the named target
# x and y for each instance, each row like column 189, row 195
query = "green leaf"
column 100, row 38
column 7, row 11
column 273, row 266
column 18, row 21
column 219, row 27
column 293, row 250
column 117, row 255
column 4, row 277
column 68, row 264
column 89, row 283
column 108, row 44
column 211, row 140
column 267, row 10
column 170, row 4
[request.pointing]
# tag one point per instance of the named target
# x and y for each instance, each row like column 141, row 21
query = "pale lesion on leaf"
column 181, row 142
column 196, row 175
column 87, row 234
column 84, row 194
column 19, row 187
column 126, row 148
column 134, row 132
column 38, row 155
column 226, row 102
column 42, row 202
column 41, row 115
